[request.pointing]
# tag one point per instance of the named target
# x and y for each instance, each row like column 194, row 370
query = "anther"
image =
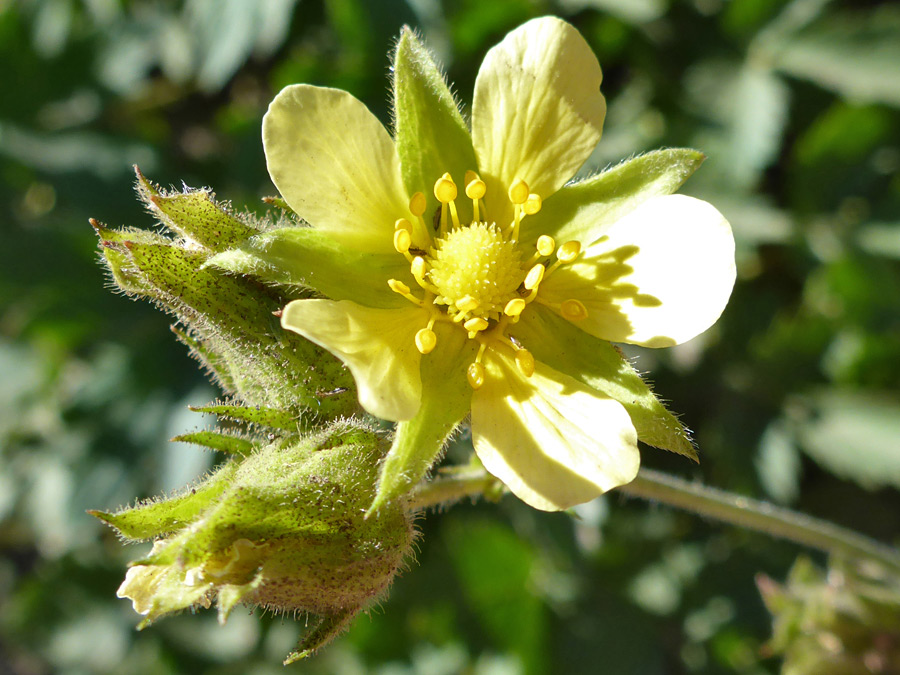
column 545, row 245
column 514, row 307
column 475, row 375
column 518, row 191
column 474, row 325
column 402, row 240
column 568, row 251
column 445, row 189
column 467, row 304
column 418, row 267
column 534, row 277
column 532, row 205
column 475, row 189
column 402, row 224
column 398, row 287
column 525, row 362
column 425, row 340
column 573, row 310
column 417, row 204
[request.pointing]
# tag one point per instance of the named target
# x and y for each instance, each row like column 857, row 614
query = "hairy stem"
column 702, row 500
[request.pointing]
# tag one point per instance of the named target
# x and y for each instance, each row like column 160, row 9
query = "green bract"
column 462, row 273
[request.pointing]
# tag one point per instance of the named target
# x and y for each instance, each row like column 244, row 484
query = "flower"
column 464, row 273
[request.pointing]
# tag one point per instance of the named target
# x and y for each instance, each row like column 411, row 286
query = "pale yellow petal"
column 335, row 165
column 537, row 112
column 658, row 277
column 553, row 441
column 377, row 345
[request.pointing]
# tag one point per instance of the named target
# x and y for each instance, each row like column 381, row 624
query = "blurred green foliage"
column 793, row 395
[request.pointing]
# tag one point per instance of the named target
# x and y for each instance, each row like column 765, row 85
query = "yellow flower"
column 465, row 274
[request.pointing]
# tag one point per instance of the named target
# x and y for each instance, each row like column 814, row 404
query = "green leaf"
column 582, row 207
column 856, row 54
column 259, row 415
column 221, row 442
column 196, row 215
column 598, row 364
column 432, row 137
column 306, row 257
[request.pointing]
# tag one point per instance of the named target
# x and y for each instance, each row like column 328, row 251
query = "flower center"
column 475, row 275
column 475, row 270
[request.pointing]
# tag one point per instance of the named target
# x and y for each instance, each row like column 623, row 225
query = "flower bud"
column 283, row 529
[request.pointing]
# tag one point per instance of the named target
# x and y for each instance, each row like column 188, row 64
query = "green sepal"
column 431, row 136
column 326, row 630
column 265, row 417
column 215, row 363
column 308, row 258
column 598, row 364
column 119, row 263
column 236, row 322
column 220, row 442
column 155, row 518
column 579, row 210
column 446, row 399
column 196, row 215
column 278, row 202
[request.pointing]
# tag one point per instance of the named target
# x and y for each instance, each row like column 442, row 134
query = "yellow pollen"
column 426, row 340
column 525, row 362
column 514, row 307
column 573, row 310
column 417, row 204
column 545, row 245
column 534, row 277
column 518, row 192
column 568, row 251
column 445, row 189
column 475, row 375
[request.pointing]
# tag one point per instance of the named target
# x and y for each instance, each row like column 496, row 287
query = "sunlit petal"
column 658, row 277
column 335, row 165
column 553, row 441
column 377, row 345
column 537, row 113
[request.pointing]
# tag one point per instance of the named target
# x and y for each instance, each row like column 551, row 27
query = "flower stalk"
column 704, row 501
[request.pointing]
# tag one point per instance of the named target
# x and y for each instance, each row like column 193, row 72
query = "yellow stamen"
column 475, row 375
column 402, row 240
column 573, row 310
column 518, row 191
column 474, row 325
column 467, row 304
column 532, row 205
column 426, row 340
column 475, row 189
column 534, row 277
column 402, row 289
column 545, row 245
column 525, row 362
column 568, row 251
column 417, row 204
column 418, row 268
column 445, row 189
column 514, row 307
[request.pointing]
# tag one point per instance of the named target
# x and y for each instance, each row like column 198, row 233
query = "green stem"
column 704, row 501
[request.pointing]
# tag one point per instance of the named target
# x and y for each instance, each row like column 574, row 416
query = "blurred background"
column 793, row 395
